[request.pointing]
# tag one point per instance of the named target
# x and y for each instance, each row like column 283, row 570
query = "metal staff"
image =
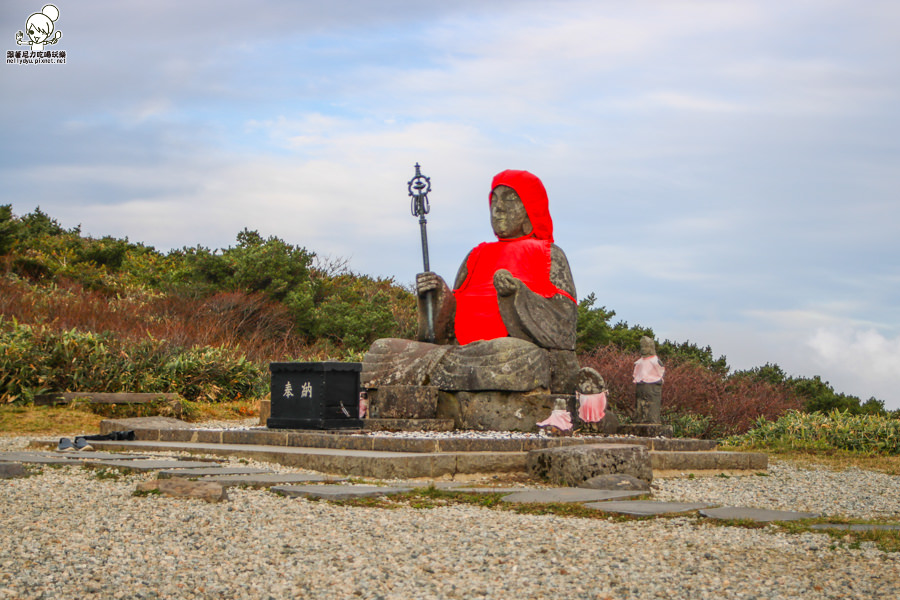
column 419, row 207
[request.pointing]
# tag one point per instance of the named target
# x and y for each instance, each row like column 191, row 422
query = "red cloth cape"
column 527, row 258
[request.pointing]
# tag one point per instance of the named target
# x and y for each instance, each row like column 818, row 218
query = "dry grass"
column 64, row 420
column 47, row 420
column 227, row 411
column 248, row 323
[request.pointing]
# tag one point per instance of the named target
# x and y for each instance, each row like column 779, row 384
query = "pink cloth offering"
column 561, row 419
column 648, row 370
column 363, row 406
column 592, row 407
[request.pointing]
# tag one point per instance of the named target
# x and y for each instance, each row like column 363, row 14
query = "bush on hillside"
column 36, row 360
column 594, row 331
column 842, row 430
column 816, row 395
column 250, row 324
column 340, row 319
column 694, row 397
column 323, row 299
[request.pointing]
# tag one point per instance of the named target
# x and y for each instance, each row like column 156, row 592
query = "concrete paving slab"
column 646, row 508
column 272, row 479
column 147, row 465
column 569, row 495
column 491, row 490
column 338, row 492
column 760, row 515
column 89, row 455
column 203, row 472
column 856, row 527
column 40, row 458
column 468, row 488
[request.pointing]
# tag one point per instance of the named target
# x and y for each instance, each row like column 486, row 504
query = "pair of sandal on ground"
column 81, row 441
column 67, row 445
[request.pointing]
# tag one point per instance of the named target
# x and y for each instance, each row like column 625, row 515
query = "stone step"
column 196, row 473
column 144, row 465
column 62, row 458
column 338, row 492
column 361, row 463
column 396, row 465
column 647, row 508
column 571, row 494
column 690, row 462
column 757, row 515
column 267, row 480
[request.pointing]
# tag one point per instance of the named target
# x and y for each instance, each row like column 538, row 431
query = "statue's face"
column 508, row 216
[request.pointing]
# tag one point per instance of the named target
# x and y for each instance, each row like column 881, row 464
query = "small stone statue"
column 560, row 420
column 648, row 379
column 593, row 403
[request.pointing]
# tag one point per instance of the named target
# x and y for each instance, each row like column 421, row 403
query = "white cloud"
column 679, row 100
column 859, row 359
column 638, row 262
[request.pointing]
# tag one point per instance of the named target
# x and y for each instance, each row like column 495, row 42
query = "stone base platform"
column 646, row 430
column 166, row 429
column 362, row 454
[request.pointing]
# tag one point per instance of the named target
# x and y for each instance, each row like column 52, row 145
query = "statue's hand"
column 427, row 282
column 505, row 283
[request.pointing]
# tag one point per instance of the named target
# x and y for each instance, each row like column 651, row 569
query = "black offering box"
column 315, row 395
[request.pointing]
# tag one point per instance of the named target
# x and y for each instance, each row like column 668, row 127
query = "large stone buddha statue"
column 504, row 336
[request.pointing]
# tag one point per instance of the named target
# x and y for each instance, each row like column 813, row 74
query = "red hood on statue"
column 534, row 197
column 527, row 258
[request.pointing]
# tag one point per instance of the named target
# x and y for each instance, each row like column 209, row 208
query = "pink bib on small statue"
column 591, row 407
column 648, row 370
column 561, row 419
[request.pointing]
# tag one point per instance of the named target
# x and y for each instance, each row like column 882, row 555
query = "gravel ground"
column 65, row 533
column 852, row 493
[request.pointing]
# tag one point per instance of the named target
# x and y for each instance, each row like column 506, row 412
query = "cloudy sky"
column 723, row 172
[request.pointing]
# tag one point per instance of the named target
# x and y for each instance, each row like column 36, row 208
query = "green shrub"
column 357, row 310
column 9, row 228
column 20, row 364
column 839, row 430
column 689, row 425
column 593, row 329
column 213, row 374
column 36, row 360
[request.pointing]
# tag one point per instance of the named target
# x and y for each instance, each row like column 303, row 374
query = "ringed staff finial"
column 419, row 187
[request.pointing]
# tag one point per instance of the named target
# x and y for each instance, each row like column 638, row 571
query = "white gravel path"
column 65, row 533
